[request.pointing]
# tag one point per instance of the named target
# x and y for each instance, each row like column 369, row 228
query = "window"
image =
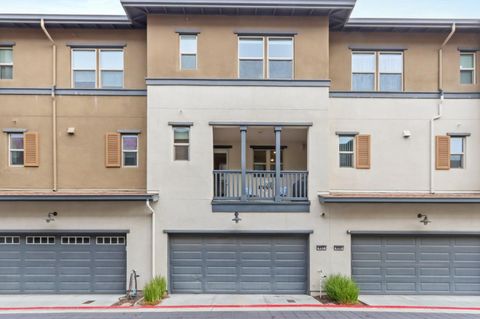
column 110, row 240
column 388, row 78
column 467, row 68
column 111, row 68
column 280, row 58
column 6, row 63
column 16, row 149
column 84, row 68
column 75, row 240
column 130, row 150
column 181, row 143
column 264, row 160
column 345, row 147
column 40, row 240
column 250, row 53
column 188, row 52
column 457, row 152
column 9, row 240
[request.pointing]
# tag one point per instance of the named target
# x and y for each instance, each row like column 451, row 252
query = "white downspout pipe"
column 150, row 208
column 438, row 114
column 54, row 105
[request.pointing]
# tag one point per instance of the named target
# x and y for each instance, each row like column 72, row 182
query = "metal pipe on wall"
column 150, row 208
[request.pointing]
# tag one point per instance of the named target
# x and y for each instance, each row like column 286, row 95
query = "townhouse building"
column 239, row 147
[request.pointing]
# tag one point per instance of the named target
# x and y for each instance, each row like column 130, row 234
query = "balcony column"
column 278, row 160
column 243, row 159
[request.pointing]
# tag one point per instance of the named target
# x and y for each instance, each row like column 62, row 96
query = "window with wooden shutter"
column 112, row 150
column 442, row 152
column 31, row 153
column 362, row 155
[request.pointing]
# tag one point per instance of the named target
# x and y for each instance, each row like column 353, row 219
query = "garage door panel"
column 9, row 278
column 241, row 264
column 468, row 288
column 400, row 287
column 439, row 271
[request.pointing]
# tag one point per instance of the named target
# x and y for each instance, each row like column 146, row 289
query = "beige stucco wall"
column 81, row 157
column 32, row 55
column 420, row 58
column 217, row 44
column 398, row 163
column 131, row 216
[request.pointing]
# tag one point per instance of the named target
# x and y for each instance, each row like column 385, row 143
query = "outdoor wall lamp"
column 51, row 217
column 424, row 219
column 236, row 217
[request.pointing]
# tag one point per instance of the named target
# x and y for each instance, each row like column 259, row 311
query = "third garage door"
column 416, row 264
column 238, row 264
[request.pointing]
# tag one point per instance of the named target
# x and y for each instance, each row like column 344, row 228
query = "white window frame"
column 72, row 79
column 10, row 149
column 14, row 240
column 472, row 69
column 379, row 53
column 100, row 240
column 374, row 53
column 41, row 237
column 346, row 152
column 79, row 240
column 7, row 64
column 187, row 53
column 463, row 154
column 280, row 59
column 181, row 144
column 249, row 58
column 124, row 151
column 99, row 67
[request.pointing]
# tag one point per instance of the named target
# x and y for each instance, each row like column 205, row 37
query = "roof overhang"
column 412, row 25
column 406, row 198
column 66, row 21
column 338, row 10
column 67, row 197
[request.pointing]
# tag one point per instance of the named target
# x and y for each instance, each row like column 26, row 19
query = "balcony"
column 260, row 169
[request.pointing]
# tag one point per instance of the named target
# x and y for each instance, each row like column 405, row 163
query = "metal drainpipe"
column 150, row 208
column 439, row 109
column 54, row 104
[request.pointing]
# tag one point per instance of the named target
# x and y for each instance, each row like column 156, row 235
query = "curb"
column 234, row 306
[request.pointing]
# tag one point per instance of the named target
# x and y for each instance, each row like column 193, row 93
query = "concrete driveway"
column 415, row 300
column 21, row 301
column 192, row 299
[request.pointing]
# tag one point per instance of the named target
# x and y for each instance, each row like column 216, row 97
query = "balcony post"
column 278, row 161
column 243, row 159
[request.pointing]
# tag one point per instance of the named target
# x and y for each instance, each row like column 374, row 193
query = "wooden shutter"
column 442, row 152
column 362, row 151
column 31, row 151
column 112, row 150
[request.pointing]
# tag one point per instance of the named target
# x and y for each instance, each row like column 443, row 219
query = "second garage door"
column 238, row 264
column 416, row 264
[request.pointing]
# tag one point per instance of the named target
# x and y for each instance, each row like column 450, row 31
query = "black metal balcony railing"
column 260, row 185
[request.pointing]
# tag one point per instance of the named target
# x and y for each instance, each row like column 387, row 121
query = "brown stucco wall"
column 32, row 55
column 217, row 44
column 420, row 59
column 81, row 157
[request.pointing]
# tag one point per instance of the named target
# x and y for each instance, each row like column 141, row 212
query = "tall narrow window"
column 188, row 51
column 84, row 65
column 111, row 68
column 467, row 68
column 390, row 71
column 363, row 71
column 181, row 143
column 130, row 150
column 346, row 150
column 280, row 58
column 457, row 152
column 6, row 63
column 16, row 149
column 265, row 160
column 250, row 54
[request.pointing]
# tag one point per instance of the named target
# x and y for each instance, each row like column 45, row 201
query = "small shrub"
column 341, row 289
column 155, row 290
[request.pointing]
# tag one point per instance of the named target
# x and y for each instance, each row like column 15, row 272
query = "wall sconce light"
column 424, row 219
column 236, row 218
column 71, row 131
column 51, row 217
column 407, row 134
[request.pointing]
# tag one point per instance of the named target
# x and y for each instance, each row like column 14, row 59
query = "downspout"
column 54, row 105
column 150, row 208
column 438, row 114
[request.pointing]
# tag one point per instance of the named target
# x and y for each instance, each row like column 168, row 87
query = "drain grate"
column 88, row 302
column 291, row 301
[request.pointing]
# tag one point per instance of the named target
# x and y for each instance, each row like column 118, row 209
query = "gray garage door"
column 70, row 263
column 238, row 264
column 417, row 265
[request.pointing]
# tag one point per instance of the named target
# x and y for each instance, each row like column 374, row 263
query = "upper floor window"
column 188, row 51
column 346, row 150
column 388, row 77
column 16, row 149
column 6, row 63
column 86, row 74
column 265, row 160
column 457, row 152
column 181, row 143
column 467, row 68
column 251, row 57
column 130, row 150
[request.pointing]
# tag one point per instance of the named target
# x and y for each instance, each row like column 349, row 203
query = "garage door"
column 238, row 264
column 70, row 263
column 417, row 265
